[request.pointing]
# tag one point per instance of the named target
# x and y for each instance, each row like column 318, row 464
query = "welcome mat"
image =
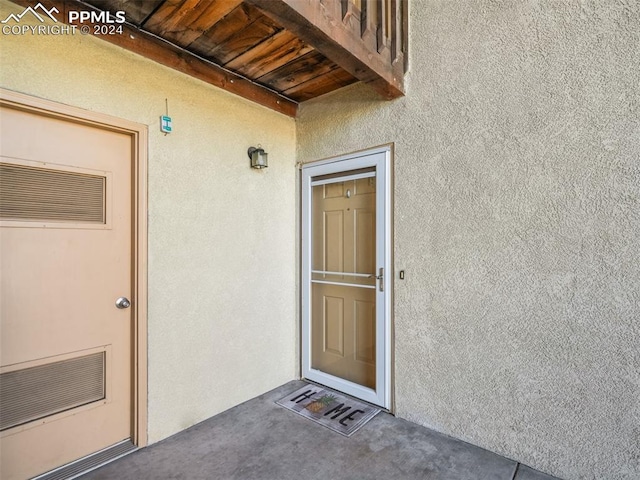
column 337, row 412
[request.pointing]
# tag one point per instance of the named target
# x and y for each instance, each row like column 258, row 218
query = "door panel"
column 60, row 278
column 331, row 242
column 343, row 333
column 364, row 240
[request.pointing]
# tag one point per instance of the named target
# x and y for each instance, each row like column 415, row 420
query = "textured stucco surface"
column 222, row 291
column 517, row 221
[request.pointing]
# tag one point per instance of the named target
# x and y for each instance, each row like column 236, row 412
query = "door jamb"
column 139, row 135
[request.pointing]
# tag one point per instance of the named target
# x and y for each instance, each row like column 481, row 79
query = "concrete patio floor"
column 261, row 440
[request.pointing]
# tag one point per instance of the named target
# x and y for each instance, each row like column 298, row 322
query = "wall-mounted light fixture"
column 258, row 157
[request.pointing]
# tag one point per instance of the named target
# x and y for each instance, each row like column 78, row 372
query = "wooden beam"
column 172, row 56
column 312, row 23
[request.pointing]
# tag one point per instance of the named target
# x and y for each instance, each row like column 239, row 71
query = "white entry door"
column 346, row 267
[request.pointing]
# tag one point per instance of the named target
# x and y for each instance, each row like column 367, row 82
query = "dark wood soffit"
column 335, row 40
column 169, row 55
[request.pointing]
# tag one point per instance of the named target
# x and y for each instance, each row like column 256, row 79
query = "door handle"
column 381, row 278
column 123, row 302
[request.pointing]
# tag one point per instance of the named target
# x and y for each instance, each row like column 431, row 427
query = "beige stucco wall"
column 517, row 221
column 222, row 294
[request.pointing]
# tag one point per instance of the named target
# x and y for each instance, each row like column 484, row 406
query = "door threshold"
column 90, row 462
column 318, row 384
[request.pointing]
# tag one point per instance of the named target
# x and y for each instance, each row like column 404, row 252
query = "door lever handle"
column 381, row 278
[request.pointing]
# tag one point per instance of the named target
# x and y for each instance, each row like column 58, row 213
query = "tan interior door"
column 66, row 243
column 343, row 284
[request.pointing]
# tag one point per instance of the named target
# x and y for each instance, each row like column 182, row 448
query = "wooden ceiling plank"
column 328, row 82
column 198, row 24
column 294, row 73
column 168, row 15
column 265, row 57
column 210, row 14
column 169, row 55
column 190, row 23
column 336, row 41
column 225, row 28
column 246, row 37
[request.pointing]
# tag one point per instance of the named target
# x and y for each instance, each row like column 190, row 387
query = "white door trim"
column 139, row 135
column 380, row 159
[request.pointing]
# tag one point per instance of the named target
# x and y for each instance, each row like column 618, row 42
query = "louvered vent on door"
column 37, row 392
column 28, row 193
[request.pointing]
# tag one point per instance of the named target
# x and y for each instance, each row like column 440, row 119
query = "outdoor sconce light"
column 258, row 157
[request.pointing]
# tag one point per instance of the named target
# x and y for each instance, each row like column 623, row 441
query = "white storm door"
column 346, row 267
